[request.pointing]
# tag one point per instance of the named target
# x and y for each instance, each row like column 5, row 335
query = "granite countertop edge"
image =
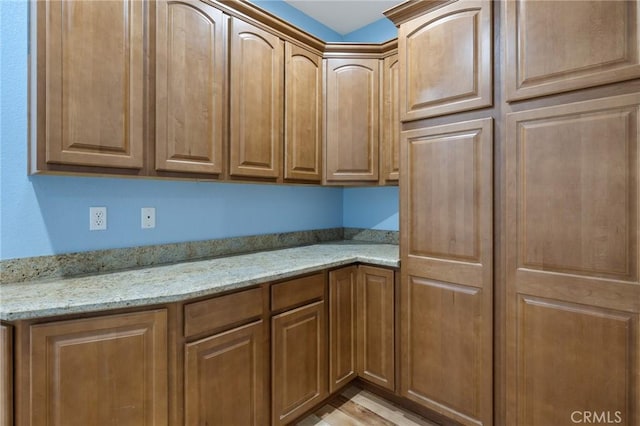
column 180, row 282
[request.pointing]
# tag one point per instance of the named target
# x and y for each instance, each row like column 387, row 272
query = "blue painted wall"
column 43, row 215
column 376, row 32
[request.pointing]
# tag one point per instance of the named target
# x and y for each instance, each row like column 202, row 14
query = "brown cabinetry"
column 78, row 118
column 6, row 375
column 375, row 340
column 342, row 326
column 446, row 60
column 303, row 114
column 352, row 108
column 256, row 99
column 191, row 45
column 97, row 371
column 390, row 120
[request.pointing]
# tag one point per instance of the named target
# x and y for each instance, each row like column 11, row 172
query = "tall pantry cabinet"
column 520, row 226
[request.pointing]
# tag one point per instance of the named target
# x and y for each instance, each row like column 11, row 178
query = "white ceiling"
column 344, row 16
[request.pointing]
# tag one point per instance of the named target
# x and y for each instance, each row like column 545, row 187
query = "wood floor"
column 357, row 407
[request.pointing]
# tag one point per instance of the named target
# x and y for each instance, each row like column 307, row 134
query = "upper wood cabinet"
column 446, row 60
column 303, row 114
column 89, row 83
column 98, row 371
column 352, row 105
column 390, row 120
column 554, row 47
column 190, row 87
column 256, row 98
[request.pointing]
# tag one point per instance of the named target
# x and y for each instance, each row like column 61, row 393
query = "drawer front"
column 216, row 313
column 297, row 291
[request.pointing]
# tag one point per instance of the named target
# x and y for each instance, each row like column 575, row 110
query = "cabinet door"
column 342, row 326
column 446, row 60
column 256, row 70
column 6, row 375
column 375, row 337
column 99, row 371
column 447, row 269
column 352, row 120
column 226, row 378
column 91, row 78
column 554, row 47
column 190, row 86
column 303, row 114
column 573, row 281
column 299, row 358
column 390, row 120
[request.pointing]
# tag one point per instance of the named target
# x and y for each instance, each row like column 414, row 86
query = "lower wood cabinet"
column 6, row 375
column 299, row 360
column 109, row 370
column 226, row 376
column 342, row 326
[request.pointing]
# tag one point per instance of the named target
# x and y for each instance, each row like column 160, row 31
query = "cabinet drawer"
column 214, row 314
column 297, row 291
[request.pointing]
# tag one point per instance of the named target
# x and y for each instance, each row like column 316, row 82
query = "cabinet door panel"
column 390, row 120
column 93, row 90
column 376, row 325
column 225, row 378
column 256, row 101
column 342, row 326
column 299, row 357
column 190, row 88
column 6, row 375
column 554, row 47
column 107, row 370
column 352, row 120
column 447, row 269
column 573, row 287
column 446, row 61
column 303, row 114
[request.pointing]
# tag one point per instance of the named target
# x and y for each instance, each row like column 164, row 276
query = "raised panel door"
column 190, row 86
column 573, row 287
column 554, row 47
column 299, row 361
column 303, row 114
column 6, row 375
column 390, row 120
column 376, row 325
column 352, row 105
column 98, row 371
column 91, row 77
column 226, row 378
column 342, row 326
column 447, row 269
column 256, row 97
column 446, row 60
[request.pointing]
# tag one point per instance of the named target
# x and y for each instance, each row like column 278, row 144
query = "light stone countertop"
column 181, row 281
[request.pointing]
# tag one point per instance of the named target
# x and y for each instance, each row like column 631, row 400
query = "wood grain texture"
column 554, row 47
column 572, row 280
column 352, row 108
column 293, row 293
column 456, row 75
column 214, row 314
column 102, row 370
column 446, row 249
column 303, row 114
column 299, row 361
column 256, row 99
column 390, row 120
column 376, row 326
column 342, row 326
column 226, row 378
column 190, row 87
column 93, row 82
column 6, row 375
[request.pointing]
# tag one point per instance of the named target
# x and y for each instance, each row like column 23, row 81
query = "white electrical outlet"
column 148, row 217
column 97, row 218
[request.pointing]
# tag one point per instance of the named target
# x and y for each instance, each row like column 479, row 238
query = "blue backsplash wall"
column 43, row 215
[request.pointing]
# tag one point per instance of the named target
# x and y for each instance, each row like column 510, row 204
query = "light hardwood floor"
column 358, row 407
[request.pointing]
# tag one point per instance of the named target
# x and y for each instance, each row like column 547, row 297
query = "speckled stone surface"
column 101, row 261
column 182, row 281
column 372, row 235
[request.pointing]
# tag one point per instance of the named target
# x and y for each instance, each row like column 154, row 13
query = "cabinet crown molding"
column 405, row 11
